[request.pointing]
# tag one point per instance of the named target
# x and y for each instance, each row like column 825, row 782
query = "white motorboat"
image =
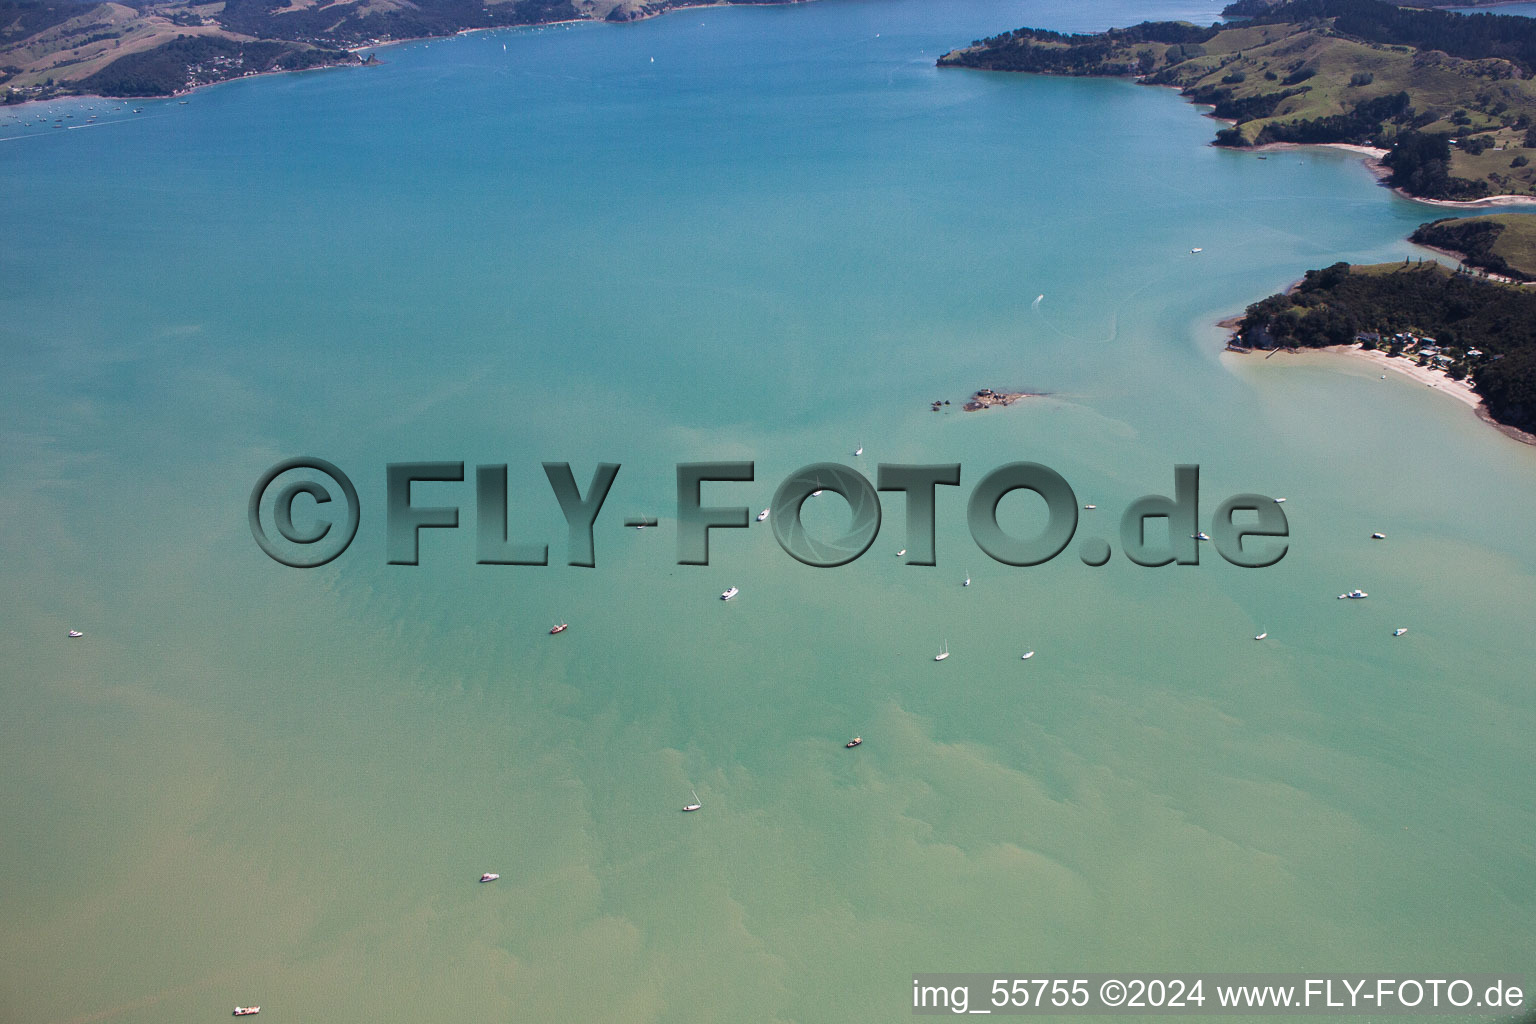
column 1195, row 250
column 730, row 594
column 1090, row 506
column 816, row 493
column 1027, row 655
column 75, row 634
column 1354, row 595
column 1262, row 635
column 859, row 450
column 903, row 551
column 967, row 580
column 1399, row 631
column 1378, row 536
column 762, row 515
column 489, row 876
column 1202, row 535
column 1279, row 501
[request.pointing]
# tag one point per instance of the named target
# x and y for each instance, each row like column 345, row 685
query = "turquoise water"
column 1524, row 10
column 778, row 240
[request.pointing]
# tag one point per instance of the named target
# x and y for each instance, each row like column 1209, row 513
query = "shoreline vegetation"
column 1449, row 98
column 142, row 49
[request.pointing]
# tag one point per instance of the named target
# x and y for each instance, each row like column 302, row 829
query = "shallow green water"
column 778, row 241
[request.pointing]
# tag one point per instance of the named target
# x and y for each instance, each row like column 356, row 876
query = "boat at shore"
column 730, row 594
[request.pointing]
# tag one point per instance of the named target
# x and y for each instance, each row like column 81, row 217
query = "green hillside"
column 1502, row 243
column 1334, row 74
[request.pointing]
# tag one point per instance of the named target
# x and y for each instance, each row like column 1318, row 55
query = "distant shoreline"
column 378, row 45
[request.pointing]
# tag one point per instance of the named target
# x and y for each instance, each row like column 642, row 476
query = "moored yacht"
column 730, row 594
column 762, row 515
column 1354, row 595
column 489, row 876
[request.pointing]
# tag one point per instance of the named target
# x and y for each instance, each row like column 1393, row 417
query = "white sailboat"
column 859, row 450
column 967, row 578
column 901, row 552
column 1262, row 635
column 943, row 651
column 696, row 804
column 762, row 515
column 1026, row 655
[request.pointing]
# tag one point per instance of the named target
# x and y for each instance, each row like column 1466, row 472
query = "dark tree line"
column 163, row 70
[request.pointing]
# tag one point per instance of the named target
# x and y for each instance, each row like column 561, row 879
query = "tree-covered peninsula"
column 1456, row 320
column 1452, row 96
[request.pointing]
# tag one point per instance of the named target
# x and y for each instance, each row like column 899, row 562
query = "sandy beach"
column 1461, row 390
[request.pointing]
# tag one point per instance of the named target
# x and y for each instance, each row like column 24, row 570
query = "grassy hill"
column 1330, row 71
column 1503, row 243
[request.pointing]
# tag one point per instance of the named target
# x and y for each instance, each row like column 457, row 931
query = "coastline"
column 377, row 45
column 1373, row 161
